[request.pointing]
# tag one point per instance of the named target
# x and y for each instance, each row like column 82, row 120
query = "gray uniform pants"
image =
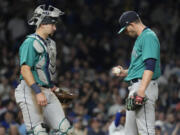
column 52, row 114
column 142, row 122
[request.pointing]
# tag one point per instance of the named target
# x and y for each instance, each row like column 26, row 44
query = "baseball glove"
column 135, row 102
column 65, row 95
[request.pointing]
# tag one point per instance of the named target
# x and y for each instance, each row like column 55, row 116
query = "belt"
column 45, row 86
column 135, row 80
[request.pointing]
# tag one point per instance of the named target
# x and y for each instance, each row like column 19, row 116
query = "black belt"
column 135, row 80
column 45, row 86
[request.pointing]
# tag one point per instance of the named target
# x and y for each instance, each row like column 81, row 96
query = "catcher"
column 142, row 74
column 40, row 107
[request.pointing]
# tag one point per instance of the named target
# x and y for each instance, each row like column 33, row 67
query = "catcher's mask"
column 43, row 15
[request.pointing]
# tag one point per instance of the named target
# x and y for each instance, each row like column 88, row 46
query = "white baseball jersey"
column 113, row 130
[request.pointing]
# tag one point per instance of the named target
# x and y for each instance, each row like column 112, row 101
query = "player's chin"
column 131, row 34
column 51, row 34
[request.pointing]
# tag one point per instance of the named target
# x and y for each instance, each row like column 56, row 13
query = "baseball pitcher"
column 40, row 107
column 142, row 74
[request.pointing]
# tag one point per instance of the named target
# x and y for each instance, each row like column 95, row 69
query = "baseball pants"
column 52, row 114
column 142, row 121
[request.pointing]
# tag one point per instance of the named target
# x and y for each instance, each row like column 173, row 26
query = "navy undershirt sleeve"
column 150, row 64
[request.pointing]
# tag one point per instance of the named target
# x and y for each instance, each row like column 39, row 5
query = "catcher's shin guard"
column 40, row 129
column 64, row 128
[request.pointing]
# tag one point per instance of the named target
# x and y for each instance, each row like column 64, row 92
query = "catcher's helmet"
column 42, row 15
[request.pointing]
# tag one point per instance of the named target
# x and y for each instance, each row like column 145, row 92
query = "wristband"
column 36, row 88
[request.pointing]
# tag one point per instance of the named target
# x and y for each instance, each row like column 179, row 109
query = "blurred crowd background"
column 88, row 47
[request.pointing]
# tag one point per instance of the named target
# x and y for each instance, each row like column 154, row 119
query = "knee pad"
column 71, row 131
column 40, row 129
column 57, row 132
column 64, row 128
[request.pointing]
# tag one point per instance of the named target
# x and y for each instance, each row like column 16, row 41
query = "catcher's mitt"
column 65, row 95
column 135, row 102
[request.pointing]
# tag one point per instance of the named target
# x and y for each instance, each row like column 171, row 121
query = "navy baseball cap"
column 126, row 18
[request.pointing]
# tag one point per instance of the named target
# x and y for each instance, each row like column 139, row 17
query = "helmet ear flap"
column 34, row 19
column 31, row 21
column 50, row 8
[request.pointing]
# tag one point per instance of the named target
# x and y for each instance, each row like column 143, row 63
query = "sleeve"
column 117, row 119
column 150, row 64
column 27, row 54
column 150, row 47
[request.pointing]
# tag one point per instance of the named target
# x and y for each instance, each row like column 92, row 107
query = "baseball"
column 57, row 90
column 116, row 70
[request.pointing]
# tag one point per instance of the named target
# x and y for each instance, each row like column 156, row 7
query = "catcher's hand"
column 65, row 95
column 135, row 102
